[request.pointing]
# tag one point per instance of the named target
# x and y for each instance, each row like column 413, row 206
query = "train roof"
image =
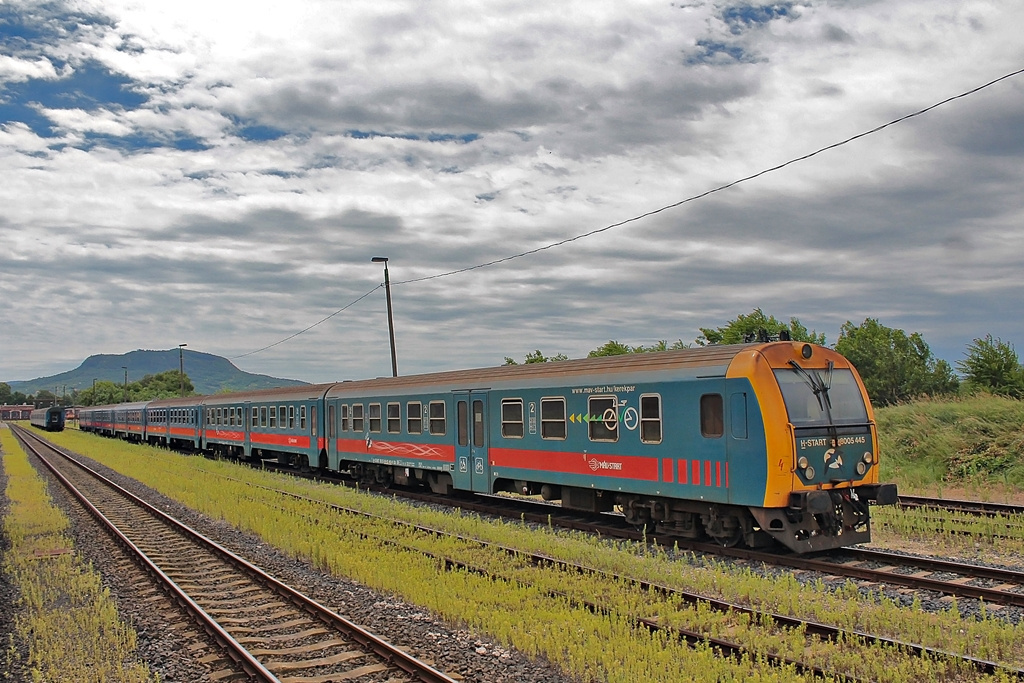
column 703, row 360
column 293, row 393
column 118, row 406
column 706, row 359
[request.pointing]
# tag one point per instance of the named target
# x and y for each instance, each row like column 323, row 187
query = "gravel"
column 169, row 648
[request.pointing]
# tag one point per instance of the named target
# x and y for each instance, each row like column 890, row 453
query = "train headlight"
column 806, row 351
column 862, row 468
column 809, row 472
column 868, row 458
column 802, row 462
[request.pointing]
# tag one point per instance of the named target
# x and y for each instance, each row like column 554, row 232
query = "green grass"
column 66, row 623
column 974, row 444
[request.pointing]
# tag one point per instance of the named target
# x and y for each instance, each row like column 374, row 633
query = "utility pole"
column 181, row 368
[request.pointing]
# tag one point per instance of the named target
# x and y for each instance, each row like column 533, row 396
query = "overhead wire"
column 662, row 209
column 323, row 320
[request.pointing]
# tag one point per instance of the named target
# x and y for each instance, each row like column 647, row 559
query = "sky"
column 220, row 174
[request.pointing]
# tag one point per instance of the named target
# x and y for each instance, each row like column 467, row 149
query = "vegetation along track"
column 271, row 632
column 997, row 586
column 811, row 629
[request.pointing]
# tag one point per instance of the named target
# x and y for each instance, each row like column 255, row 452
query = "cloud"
column 186, row 172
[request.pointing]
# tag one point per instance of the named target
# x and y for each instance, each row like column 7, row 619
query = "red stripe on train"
column 618, row 466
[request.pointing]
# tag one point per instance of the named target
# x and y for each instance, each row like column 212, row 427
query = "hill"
column 209, row 374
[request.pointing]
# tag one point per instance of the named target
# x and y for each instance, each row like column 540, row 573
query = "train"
column 51, row 419
column 754, row 444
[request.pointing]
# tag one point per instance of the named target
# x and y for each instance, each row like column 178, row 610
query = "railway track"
column 875, row 566
column 996, row 586
column 812, row 629
column 970, row 507
column 268, row 630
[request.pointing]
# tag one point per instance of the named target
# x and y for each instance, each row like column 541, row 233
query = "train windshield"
column 814, row 395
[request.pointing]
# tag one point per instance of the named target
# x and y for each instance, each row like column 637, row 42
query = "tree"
column 161, row 385
column 993, row 365
column 895, row 367
column 614, row 348
column 44, row 397
column 103, row 393
column 661, row 345
column 610, row 348
column 536, row 357
column 746, row 327
column 11, row 398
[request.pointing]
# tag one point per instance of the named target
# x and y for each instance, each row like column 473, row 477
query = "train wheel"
column 729, row 540
column 724, row 529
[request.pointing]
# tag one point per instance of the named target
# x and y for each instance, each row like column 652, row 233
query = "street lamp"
column 391, row 322
column 181, row 367
column 125, row 368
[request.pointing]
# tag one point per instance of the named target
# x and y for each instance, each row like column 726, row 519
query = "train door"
column 472, row 465
column 248, row 412
column 710, row 468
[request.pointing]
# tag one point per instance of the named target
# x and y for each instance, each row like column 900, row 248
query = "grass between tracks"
column 66, row 624
column 540, row 610
column 969, row 448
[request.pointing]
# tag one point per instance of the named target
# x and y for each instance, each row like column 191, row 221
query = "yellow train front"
column 773, row 442
column 821, row 446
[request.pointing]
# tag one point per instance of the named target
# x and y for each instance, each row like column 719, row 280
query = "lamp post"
column 391, row 321
column 181, row 367
column 125, row 368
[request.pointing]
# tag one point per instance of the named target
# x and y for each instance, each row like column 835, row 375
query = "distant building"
column 16, row 412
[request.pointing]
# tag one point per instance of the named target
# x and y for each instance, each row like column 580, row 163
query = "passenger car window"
column 604, row 420
column 650, row 418
column 414, row 417
column 394, row 418
column 552, row 418
column 437, row 418
column 512, row 418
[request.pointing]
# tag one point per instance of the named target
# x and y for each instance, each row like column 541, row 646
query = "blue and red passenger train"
column 744, row 444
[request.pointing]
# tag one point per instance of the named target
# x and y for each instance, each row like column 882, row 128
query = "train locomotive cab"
column 821, row 447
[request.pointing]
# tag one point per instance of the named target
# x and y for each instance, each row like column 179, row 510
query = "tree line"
column 161, row 385
column 896, row 367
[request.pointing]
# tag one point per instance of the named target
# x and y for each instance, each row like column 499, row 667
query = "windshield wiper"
column 820, row 387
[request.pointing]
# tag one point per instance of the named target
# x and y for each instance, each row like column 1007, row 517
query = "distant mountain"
column 209, row 374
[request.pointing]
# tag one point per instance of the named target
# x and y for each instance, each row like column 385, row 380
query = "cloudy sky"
column 221, row 173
